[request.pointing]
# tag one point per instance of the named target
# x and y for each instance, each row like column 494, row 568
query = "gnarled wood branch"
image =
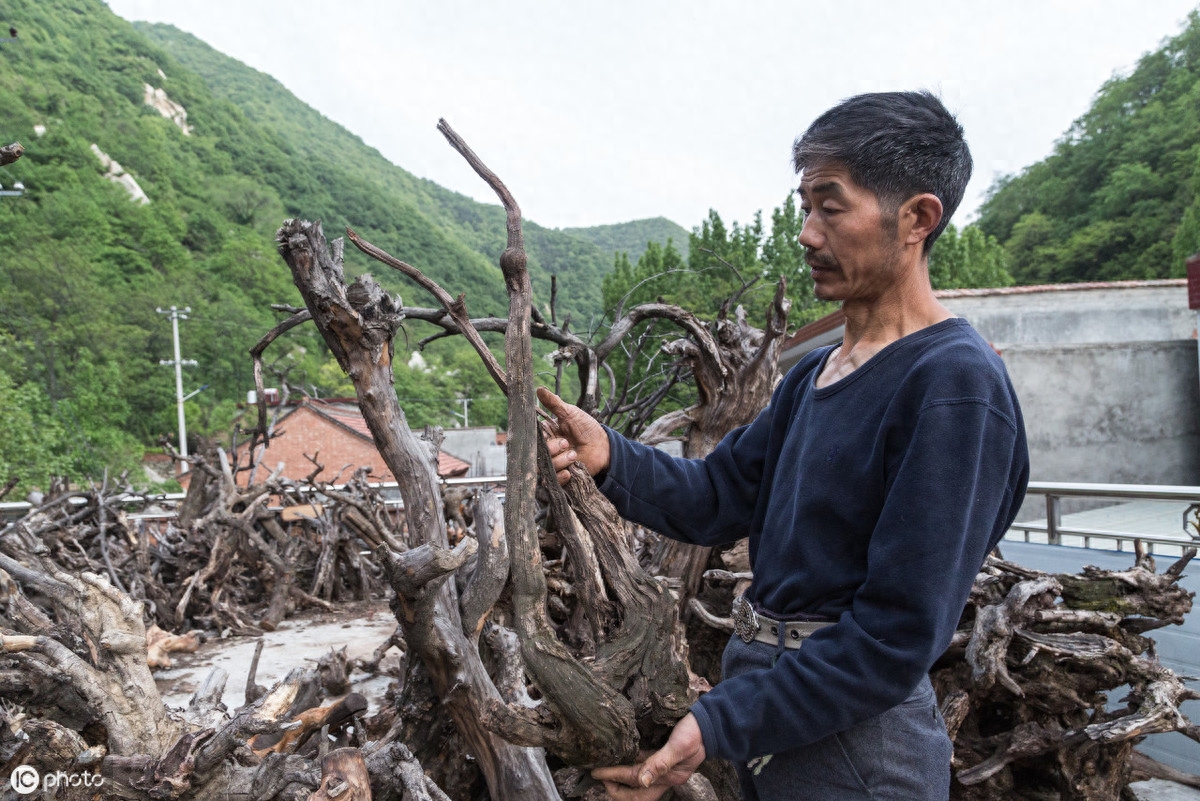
column 358, row 323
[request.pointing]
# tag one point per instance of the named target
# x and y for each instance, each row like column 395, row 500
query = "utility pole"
column 466, row 402
column 1193, row 283
column 176, row 315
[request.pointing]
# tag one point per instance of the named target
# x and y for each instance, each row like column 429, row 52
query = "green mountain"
column 631, row 237
column 441, row 232
column 1119, row 198
column 156, row 172
column 580, row 257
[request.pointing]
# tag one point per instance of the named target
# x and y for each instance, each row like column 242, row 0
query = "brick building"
column 336, row 435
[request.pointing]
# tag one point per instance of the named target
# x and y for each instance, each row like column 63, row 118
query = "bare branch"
column 516, row 240
column 455, row 307
column 256, row 352
column 708, row 351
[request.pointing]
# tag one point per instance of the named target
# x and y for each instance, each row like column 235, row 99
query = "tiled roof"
column 347, row 415
column 1035, row 288
column 833, row 320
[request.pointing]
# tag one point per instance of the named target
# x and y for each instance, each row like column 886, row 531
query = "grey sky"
column 606, row 112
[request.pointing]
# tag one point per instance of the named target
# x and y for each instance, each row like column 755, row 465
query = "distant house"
column 482, row 446
column 336, row 435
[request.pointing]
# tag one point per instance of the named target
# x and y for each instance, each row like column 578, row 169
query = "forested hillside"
column 157, row 171
column 364, row 189
column 1119, row 198
column 631, row 238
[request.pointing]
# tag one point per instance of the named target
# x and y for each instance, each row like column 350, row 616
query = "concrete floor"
column 298, row 642
column 1159, row 790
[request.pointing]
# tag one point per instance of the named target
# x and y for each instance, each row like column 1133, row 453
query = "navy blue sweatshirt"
column 872, row 501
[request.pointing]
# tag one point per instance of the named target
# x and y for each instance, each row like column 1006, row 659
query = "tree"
column 1186, row 241
column 1112, row 201
column 1032, row 250
column 1055, row 723
column 31, row 448
column 783, row 257
column 82, row 267
column 967, row 260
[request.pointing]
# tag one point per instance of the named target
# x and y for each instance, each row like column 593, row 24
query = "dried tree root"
column 344, row 777
column 160, row 643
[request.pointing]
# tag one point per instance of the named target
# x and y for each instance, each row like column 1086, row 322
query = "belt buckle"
column 745, row 619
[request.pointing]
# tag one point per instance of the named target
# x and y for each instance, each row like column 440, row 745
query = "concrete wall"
column 1143, row 312
column 477, row 445
column 1124, row 413
column 1107, row 375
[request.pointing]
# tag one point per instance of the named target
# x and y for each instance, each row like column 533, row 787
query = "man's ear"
column 918, row 217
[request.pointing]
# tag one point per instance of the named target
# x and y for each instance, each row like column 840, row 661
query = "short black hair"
column 895, row 144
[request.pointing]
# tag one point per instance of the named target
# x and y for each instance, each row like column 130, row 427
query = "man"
column 872, row 488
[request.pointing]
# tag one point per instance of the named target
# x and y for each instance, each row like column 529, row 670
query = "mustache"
column 822, row 260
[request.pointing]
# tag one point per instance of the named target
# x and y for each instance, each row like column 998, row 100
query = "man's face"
column 852, row 244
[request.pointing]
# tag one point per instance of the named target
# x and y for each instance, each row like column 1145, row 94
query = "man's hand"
column 573, row 435
column 671, row 765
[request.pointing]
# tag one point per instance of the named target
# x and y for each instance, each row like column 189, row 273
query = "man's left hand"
column 671, row 765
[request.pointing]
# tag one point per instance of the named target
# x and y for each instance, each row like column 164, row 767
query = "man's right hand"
column 573, row 436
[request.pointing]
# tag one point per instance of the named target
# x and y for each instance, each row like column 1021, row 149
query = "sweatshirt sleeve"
column 707, row 501
column 951, row 497
column 702, row 501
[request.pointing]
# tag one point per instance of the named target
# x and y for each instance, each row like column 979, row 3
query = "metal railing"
column 1054, row 530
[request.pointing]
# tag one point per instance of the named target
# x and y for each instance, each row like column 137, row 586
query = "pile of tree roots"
column 1026, row 688
column 542, row 634
column 224, row 559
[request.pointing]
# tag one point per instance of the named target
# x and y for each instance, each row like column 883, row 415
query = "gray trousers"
column 902, row 754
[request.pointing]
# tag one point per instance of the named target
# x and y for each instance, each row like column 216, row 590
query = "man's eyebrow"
column 833, row 188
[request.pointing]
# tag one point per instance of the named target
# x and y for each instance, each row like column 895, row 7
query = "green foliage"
column 719, row 262
column 80, row 435
column 1186, row 241
column 432, row 390
column 31, row 447
column 93, row 418
column 968, row 259
column 1118, row 198
column 325, row 172
column 631, row 237
column 83, row 268
column 659, row 272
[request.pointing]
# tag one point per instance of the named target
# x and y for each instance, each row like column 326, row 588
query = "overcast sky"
column 606, row 112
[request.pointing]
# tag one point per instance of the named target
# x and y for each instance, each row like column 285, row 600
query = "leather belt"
column 750, row 626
